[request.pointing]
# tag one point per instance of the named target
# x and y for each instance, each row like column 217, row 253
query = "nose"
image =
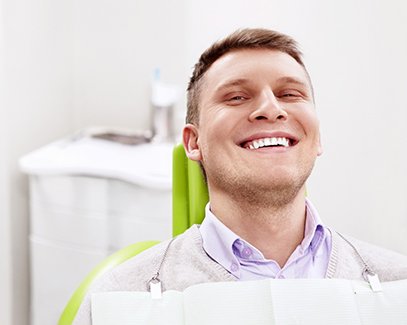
column 268, row 108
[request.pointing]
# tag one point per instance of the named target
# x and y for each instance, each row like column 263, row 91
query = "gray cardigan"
column 186, row 264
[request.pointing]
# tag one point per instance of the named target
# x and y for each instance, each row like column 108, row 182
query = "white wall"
column 117, row 46
column 360, row 181
column 37, row 108
column 5, row 258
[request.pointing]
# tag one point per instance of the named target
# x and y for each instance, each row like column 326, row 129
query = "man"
column 252, row 125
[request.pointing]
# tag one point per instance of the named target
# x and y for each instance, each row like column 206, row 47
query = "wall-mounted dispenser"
column 163, row 99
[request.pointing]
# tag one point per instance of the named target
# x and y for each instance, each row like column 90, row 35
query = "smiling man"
column 256, row 134
column 252, row 125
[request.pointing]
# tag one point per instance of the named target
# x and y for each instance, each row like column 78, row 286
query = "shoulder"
column 185, row 264
column 389, row 265
column 180, row 262
column 135, row 273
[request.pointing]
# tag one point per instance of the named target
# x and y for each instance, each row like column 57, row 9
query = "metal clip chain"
column 367, row 273
column 154, row 285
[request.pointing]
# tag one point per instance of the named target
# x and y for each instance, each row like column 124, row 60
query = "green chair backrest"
column 189, row 197
column 189, row 192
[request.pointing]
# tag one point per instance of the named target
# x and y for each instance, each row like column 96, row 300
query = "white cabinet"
column 85, row 203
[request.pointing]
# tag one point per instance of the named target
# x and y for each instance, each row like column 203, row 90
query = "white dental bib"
column 279, row 302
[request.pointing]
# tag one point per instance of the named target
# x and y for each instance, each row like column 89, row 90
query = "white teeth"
column 259, row 143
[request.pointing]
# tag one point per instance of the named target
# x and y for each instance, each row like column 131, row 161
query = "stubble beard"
column 252, row 190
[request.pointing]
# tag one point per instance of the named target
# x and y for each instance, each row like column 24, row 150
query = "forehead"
column 256, row 65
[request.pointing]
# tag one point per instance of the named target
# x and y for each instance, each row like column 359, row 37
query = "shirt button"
column 247, row 252
column 234, row 267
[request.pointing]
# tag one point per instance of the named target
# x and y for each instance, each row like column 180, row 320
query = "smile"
column 268, row 142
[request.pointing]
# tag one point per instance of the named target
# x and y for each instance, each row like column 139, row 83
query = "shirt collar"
column 227, row 248
column 314, row 232
column 218, row 241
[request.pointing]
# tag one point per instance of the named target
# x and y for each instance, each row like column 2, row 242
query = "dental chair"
column 189, row 197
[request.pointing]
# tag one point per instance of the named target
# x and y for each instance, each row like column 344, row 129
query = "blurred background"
column 67, row 66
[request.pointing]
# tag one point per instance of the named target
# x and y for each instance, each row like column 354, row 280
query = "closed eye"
column 237, row 98
column 291, row 95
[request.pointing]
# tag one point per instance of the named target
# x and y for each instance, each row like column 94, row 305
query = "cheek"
column 312, row 130
column 218, row 124
column 214, row 141
column 310, row 122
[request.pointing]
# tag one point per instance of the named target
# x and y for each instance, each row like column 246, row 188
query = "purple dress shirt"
column 244, row 261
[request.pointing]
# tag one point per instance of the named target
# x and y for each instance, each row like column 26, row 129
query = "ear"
column 190, row 138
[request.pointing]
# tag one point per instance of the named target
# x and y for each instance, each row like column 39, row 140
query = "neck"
column 275, row 229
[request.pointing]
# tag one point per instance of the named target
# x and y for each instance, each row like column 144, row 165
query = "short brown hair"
column 249, row 38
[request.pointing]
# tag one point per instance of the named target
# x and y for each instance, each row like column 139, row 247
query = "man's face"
column 258, row 129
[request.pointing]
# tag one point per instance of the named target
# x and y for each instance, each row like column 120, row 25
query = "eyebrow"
column 293, row 80
column 232, row 83
column 243, row 81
